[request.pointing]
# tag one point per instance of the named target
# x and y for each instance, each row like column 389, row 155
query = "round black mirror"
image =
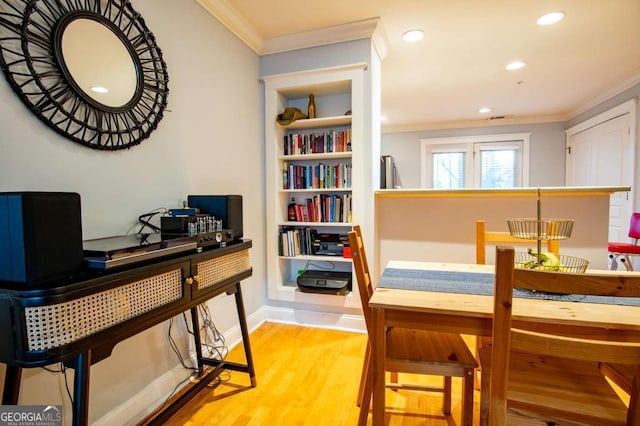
column 90, row 70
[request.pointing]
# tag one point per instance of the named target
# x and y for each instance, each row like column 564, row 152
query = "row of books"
column 317, row 176
column 317, row 143
column 332, row 208
column 296, row 241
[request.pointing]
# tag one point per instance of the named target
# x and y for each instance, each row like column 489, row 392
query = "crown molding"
column 464, row 124
column 234, row 22
column 615, row 90
column 380, row 41
column 229, row 17
column 349, row 31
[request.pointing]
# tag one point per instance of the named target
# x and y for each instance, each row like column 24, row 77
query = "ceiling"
column 459, row 67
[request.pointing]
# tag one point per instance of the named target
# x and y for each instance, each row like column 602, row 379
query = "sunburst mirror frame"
column 30, row 37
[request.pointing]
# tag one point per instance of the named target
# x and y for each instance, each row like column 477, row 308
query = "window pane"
column 448, row 170
column 498, row 168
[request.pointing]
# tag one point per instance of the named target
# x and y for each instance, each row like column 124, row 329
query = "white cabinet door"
column 603, row 155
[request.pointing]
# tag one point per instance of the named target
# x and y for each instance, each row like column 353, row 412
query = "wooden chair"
column 486, row 238
column 413, row 351
column 491, row 239
column 554, row 377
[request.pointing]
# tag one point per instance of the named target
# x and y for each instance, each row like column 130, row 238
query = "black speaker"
column 227, row 208
column 40, row 237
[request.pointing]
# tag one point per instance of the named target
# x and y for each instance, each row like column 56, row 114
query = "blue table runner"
column 478, row 283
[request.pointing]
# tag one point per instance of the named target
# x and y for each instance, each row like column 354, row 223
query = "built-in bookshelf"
column 312, row 180
column 316, row 165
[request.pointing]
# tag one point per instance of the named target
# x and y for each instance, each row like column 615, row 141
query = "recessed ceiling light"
column 99, row 89
column 484, row 110
column 550, row 18
column 516, row 65
column 412, row 36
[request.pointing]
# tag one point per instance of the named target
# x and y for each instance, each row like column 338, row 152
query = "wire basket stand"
column 540, row 229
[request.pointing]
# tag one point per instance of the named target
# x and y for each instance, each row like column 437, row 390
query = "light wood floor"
column 309, row 376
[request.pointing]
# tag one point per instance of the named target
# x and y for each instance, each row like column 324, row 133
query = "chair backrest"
column 361, row 266
column 597, row 347
column 484, row 238
column 634, row 227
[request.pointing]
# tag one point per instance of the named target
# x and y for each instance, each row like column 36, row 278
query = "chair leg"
column 367, row 393
column 627, row 263
column 484, row 399
column 446, row 405
column 365, row 371
column 467, row 396
column 477, row 373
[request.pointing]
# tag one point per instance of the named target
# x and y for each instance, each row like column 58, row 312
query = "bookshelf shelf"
column 311, row 157
column 318, row 258
column 316, row 224
column 315, row 190
column 319, row 123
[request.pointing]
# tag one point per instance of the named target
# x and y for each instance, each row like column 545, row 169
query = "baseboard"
column 139, row 406
column 332, row 320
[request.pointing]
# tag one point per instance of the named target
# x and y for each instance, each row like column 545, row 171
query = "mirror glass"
column 99, row 62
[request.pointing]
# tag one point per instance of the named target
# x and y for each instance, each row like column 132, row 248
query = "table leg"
column 195, row 322
column 11, row 390
column 242, row 318
column 379, row 343
column 82, row 365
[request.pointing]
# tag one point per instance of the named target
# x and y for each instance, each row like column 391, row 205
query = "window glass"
column 488, row 161
column 448, row 170
column 498, row 168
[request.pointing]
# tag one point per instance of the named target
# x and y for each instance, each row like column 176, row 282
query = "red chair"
column 624, row 250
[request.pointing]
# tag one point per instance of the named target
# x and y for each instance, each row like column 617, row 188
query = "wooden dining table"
column 458, row 298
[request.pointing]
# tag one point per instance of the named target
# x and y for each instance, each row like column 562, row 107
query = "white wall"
column 210, row 142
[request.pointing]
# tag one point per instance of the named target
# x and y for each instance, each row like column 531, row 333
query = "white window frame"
column 467, row 144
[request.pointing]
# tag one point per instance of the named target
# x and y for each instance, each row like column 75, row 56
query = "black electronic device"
column 206, row 230
column 177, row 225
column 227, row 208
column 40, row 237
column 219, row 238
column 331, row 282
column 326, row 244
column 122, row 250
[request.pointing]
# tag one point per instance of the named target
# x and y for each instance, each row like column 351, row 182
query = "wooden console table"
column 80, row 322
